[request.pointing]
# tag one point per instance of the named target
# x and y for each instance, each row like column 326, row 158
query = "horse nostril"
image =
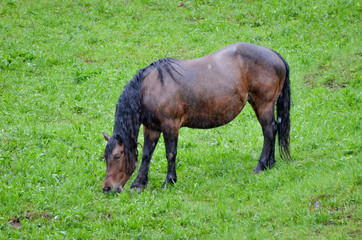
column 107, row 189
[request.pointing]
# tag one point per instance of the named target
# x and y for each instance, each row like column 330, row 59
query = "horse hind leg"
column 265, row 115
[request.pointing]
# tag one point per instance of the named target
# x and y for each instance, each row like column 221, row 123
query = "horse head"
column 118, row 172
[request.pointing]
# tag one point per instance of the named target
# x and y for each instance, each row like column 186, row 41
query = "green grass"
column 63, row 65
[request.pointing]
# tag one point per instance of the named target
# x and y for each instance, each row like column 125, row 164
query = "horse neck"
column 127, row 119
column 127, row 127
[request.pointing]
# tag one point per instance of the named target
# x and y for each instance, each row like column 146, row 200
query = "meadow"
column 63, row 65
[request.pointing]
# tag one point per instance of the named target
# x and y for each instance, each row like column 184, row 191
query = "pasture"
column 63, row 65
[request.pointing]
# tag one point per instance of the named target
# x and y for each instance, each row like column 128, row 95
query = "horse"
column 201, row 93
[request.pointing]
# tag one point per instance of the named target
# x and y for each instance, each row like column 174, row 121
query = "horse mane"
column 129, row 109
column 168, row 65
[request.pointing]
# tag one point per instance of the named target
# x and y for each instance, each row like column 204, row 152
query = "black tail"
column 283, row 116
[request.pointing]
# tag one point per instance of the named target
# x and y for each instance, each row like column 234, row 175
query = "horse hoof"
column 258, row 170
column 165, row 185
column 168, row 183
column 137, row 189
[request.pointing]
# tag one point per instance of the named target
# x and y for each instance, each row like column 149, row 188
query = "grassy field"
column 63, row 65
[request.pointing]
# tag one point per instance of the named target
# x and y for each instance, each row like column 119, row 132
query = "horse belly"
column 212, row 113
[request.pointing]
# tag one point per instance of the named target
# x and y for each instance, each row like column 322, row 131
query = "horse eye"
column 117, row 157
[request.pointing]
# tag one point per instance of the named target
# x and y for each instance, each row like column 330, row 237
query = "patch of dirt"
column 29, row 215
column 309, row 79
column 190, row 19
column 332, row 84
column 15, row 222
column 107, row 216
column 326, row 223
column 317, row 201
column 33, row 215
column 88, row 60
column 355, row 234
column 45, row 215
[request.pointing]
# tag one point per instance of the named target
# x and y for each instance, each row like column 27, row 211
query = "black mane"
column 165, row 64
column 129, row 109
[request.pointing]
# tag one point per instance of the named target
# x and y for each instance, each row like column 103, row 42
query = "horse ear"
column 106, row 136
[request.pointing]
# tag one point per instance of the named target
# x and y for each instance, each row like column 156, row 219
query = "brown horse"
column 203, row 93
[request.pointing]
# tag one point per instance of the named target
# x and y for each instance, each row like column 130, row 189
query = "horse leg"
column 150, row 141
column 265, row 115
column 170, row 138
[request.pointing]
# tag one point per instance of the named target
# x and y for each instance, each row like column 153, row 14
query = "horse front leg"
column 150, row 141
column 171, row 138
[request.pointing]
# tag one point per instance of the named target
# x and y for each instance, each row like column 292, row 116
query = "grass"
column 63, row 65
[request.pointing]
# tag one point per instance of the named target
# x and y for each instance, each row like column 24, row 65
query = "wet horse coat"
column 199, row 93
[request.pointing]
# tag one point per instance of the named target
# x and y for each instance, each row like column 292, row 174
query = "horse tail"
column 283, row 116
